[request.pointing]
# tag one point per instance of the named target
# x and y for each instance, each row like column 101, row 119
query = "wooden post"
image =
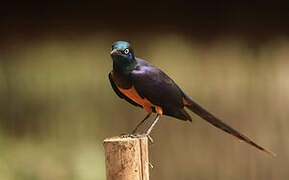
column 126, row 158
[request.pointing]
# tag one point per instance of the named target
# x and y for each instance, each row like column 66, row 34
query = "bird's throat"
column 124, row 66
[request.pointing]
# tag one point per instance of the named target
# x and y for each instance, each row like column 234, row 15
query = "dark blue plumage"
column 153, row 84
column 144, row 85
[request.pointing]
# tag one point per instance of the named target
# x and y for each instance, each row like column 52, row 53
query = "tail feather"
column 194, row 107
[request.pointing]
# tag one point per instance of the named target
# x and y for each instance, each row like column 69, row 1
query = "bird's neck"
column 124, row 66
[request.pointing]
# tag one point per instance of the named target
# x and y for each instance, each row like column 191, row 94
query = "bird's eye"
column 126, row 51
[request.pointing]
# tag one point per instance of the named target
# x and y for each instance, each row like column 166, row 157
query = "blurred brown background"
column 56, row 103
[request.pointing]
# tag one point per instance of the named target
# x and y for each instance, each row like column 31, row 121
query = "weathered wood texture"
column 126, row 158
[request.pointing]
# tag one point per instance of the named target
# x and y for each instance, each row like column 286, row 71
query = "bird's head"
column 123, row 57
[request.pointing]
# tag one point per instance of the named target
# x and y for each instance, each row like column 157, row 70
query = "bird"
column 146, row 86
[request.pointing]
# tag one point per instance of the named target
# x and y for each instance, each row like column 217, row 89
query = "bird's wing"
column 120, row 94
column 153, row 84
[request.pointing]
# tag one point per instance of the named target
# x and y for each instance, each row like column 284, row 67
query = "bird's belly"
column 145, row 103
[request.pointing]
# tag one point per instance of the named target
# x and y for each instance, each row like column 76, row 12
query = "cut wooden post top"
column 126, row 158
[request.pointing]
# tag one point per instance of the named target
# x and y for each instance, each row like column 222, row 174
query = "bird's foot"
column 125, row 135
column 142, row 135
column 137, row 136
column 151, row 165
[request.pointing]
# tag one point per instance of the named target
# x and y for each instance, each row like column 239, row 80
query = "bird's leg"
column 124, row 135
column 147, row 133
column 140, row 123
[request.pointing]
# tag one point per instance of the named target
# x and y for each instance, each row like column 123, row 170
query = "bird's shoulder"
column 146, row 70
column 142, row 62
column 149, row 81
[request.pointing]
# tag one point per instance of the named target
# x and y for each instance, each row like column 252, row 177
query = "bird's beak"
column 115, row 52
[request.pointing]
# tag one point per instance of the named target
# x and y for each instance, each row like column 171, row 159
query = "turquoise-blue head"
column 123, row 57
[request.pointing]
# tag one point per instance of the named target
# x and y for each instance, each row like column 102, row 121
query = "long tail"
column 194, row 107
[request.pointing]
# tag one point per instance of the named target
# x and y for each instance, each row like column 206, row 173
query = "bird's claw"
column 151, row 165
column 142, row 135
column 124, row 135
column 150, row 139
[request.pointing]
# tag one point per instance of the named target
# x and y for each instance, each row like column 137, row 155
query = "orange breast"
column 145, row 103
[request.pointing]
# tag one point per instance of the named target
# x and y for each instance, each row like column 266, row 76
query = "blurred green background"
column 56, row 103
